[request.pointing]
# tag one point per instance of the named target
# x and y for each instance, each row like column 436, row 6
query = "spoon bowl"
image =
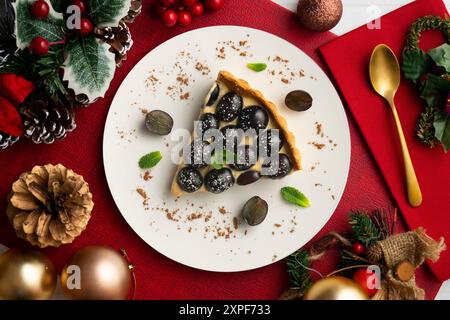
column 384, row 72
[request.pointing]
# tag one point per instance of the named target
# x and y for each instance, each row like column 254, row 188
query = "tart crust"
column 243, row 88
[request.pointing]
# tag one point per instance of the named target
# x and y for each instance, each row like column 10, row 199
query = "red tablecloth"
column 157, row 276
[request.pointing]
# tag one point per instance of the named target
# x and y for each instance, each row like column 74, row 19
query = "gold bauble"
column 96, row 273
column 26, row 275
column 335, row 288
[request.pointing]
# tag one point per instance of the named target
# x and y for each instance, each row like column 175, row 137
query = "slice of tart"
column 267, row 152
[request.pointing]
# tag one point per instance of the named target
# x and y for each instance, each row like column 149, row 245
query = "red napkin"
column 348, row 59
column 157, row 276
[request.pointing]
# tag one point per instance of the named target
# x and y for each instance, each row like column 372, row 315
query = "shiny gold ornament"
column 335, row 288
column 319, row 15
column 97, row 273
column 26, row 275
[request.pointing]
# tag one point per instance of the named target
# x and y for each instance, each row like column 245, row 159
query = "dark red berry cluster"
column 181, row 12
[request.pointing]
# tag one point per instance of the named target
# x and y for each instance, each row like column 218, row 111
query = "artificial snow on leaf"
column 441, row 56
column 28, row 27
column 415, row 64
column 108, row 12
column 442, row 129
column 89, row 67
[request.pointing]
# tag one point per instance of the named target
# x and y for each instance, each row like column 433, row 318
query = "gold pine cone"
column 49, row 206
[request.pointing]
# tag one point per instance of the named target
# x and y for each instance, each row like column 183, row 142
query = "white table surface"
column 356, row 13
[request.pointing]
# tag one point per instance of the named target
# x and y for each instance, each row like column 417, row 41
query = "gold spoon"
column 385, row 78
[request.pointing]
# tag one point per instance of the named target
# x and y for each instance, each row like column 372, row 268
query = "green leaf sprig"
column 294, row 196
column 150, row 160
column 257, row 67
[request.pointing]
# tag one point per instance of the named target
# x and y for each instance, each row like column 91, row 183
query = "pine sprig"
column 297, row 268
column 364, row 228
column 42, row 71
column 425, row 127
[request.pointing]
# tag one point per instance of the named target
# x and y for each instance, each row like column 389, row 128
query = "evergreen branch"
column 297, row 268
column 42, row 71
column 364, row 228
column 425, row 127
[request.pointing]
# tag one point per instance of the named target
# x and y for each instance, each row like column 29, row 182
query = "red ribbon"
column 13, row 91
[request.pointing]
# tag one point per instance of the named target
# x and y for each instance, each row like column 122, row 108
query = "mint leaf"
column 257, row 67
column 150, row 160
column 294, row 196
column 108, row 12
column 27, row 27
column 415, row 64
column 89, row 67
column 442, row 129
column 220, row 158
column 441, row 56
column 434, row 90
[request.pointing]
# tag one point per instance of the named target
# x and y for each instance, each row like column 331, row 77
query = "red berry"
column 184, row 18
column 196, row 9
column 214, row 4
column 367, row 280
column 86, row 27
column 39, row 46
column 358, row 249
column 40, row 9
column 80, row 4
column 167, row 3
column 189, row 2
column 170, row 18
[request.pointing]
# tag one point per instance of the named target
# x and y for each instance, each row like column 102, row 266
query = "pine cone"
column 46, row 121
column 119, row 39
column 6, row 140
column 135, row 10
column 49, row 206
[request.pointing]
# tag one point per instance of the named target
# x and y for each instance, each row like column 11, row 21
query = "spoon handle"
column 412, row 185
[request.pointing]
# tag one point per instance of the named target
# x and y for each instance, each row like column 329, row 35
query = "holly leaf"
column 441, row 56
column 28, row 27
column 108, row 12
column 442, row 129
column 59, row 5
column 415, row 64
column 89, row 67
column 434, row 90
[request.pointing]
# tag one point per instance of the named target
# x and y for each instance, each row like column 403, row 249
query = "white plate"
column 196, row 242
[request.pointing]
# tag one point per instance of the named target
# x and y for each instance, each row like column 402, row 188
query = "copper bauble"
column 96, row 273
column 335, row 288
column 319, row 15
column 26, row 275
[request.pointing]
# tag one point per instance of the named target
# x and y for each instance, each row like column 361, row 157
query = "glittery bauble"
column 96, row 273
column 319, row 15
column 26, row 275
column 335, row 288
